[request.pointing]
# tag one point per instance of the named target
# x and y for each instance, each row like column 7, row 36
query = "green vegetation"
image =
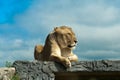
column 8, row 64
column 15, row 77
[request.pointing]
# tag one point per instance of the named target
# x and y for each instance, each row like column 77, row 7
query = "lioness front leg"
column 73, row 58
column 65, row 61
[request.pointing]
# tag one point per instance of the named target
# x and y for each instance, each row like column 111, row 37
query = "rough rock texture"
column 39, row 70
column 6, row 73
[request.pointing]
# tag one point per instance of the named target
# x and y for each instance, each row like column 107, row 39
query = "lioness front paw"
column 67, row 63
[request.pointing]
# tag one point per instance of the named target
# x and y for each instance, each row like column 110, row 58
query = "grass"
column 15, row 77
column 8, row 64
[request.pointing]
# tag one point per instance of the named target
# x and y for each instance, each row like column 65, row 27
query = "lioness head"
column 65, row 37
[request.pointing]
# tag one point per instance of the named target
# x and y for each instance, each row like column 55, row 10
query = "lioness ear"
column 55, row 28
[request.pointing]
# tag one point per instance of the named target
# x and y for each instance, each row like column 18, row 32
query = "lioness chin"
column 58, row 47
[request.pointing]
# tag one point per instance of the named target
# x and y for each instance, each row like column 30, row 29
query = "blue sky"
column 25, row 23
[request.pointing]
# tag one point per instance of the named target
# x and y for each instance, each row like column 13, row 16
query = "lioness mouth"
column 70, row 46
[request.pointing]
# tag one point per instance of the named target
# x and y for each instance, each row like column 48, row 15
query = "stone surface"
column 6, row 73
column 39, row 70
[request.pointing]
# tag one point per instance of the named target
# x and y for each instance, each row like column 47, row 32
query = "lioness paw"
column 67, row 63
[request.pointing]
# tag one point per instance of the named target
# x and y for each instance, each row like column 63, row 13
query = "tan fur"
column 58, row 47
column 37, row 51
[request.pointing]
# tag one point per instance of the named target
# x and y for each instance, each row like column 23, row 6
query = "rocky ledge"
column 85, row 70
column 6, row 73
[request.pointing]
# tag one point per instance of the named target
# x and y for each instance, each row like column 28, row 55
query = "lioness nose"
column 75, row 41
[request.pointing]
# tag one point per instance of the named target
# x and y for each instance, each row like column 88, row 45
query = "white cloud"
column 99, row 55
column 98, row 42
column 98, row 14
column 110, row 33
column 40, row 19
column 18, row 43
column 12, row 55
column 17, row 49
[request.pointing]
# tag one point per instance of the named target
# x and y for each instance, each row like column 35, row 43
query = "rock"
column 6, row 73
column 47, row 70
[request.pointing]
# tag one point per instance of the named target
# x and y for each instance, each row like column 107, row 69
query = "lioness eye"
column 68, row 33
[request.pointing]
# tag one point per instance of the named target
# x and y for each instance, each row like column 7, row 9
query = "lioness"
column 58, row 47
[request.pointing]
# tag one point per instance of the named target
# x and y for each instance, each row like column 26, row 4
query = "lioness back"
column 37, row 51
